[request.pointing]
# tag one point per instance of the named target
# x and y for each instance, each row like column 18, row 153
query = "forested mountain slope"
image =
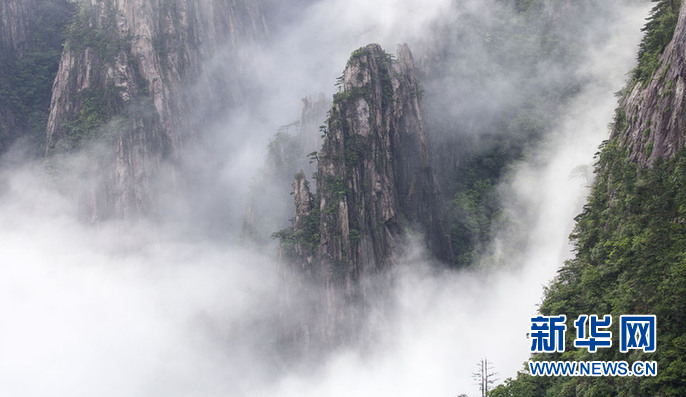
column 630, row 239
column 31, row 37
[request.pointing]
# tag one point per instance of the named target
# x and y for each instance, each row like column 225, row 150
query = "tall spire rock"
column 375, row 182
column 126, row 78
column 375, row 178
column 651, row 120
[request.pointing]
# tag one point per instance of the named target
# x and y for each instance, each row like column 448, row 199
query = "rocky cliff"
column 375, row 178
column 17, row 18
column 630, row 238
column 651, row 117
column 30, row 48
column 126, row 77
column 375, row 184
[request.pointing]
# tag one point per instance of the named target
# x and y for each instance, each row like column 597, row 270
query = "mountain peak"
column 375, row 182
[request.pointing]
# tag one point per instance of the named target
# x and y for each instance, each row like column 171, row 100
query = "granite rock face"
column 375, row 184
column 375, row 177
column 30, row 48
column 653, row 124
column 17, row 18
column 125, row 77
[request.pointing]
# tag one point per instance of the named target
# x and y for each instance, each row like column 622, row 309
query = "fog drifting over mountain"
column 177, row 308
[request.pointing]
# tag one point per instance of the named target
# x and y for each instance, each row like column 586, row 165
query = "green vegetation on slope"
column 658, row 33
column 100, row 103
column 630, row 246
column 630, row 258
column 26, row 79
column 475, row 158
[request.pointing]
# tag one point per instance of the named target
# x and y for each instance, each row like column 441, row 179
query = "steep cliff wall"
column 630, row 238
column 375, row 177
column 17, row 18
column 651, row 118
column 125, row 77
column 375, row 185
column 30, row 48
